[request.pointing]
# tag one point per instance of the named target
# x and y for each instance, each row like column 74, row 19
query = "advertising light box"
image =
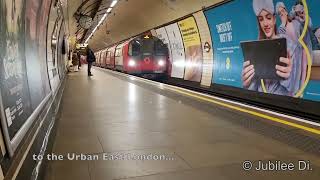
column 256, row 46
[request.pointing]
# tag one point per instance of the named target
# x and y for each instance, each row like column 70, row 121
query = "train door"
column 98, row 62
column 108, row 58
column 112, row 57
column 119, row 57
column 95, row 54
column 103, row 59
column 125, row 53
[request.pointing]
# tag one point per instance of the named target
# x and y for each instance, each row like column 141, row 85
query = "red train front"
column 146, row 56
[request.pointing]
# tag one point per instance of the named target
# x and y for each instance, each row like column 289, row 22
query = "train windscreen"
column 134, row 48
column 147, row 47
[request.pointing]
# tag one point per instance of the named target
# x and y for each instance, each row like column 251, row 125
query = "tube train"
column 144, row 55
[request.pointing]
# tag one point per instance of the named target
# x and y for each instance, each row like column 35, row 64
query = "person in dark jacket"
column 90, row 59
column 79, row 58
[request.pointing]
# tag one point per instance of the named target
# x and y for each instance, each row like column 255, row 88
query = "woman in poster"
column 265, row 13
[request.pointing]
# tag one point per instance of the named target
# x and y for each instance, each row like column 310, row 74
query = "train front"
column 147, row 56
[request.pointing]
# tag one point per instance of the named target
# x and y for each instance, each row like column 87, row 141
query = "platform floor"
column 108, row 114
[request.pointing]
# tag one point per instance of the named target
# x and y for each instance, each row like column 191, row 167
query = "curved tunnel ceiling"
column 131, row 17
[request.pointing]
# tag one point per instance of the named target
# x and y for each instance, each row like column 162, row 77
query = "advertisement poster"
column 193, row 49
column 207, row 51
column 177, row 50
column 312, row 91
column 266, row 22
column 42, row 30
column 61, row 49
column 55, row 21
column 35, row 50
column 227, row 31
column 13, row 73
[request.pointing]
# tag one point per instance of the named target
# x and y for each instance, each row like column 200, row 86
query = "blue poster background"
column 312, row 92
column 228, row 57
column 228, row 63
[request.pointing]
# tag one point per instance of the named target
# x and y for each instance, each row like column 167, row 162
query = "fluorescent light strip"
column 94, row 30
column 102, row 19
column 114, row 2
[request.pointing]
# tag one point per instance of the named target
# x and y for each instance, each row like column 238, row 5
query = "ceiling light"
column 102, row 19
column 113, row 3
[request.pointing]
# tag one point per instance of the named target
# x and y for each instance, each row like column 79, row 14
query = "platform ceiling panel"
column 131, row 17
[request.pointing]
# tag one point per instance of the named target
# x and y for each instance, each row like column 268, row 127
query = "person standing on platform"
column 75, row 61
column 90, row 59
column 79, row 58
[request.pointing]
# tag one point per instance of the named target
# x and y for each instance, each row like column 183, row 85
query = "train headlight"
column 161, row 62
column 131, row 63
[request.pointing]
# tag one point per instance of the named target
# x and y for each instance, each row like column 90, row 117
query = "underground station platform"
column 117, row 126
column 159, row 90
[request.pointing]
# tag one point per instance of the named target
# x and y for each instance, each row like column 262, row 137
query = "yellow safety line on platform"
column 264, row 116
column 316, row 131
column 275, row 119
